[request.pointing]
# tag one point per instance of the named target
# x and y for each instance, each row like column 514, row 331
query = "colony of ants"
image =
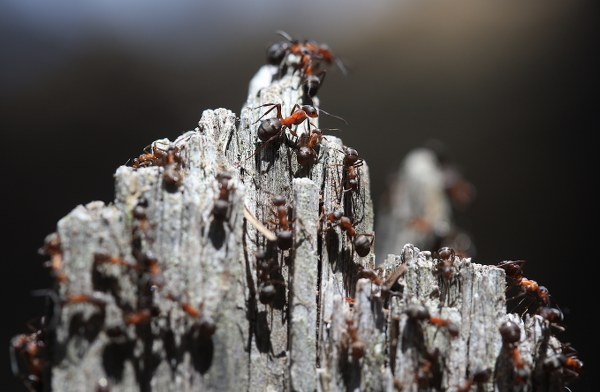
column 29, row 357
column 534, row 299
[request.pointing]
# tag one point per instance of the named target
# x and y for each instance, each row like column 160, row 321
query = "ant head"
column 305, row 156
column 510, row 331
column 553, row 315
column 277, row 52
column 337, row 214
column 417, row 312
column 446, row 254
column 224, row 177
column 350, row 156
column 453, row 329
column 512, row 268
column 310, row 111
column 279, row 200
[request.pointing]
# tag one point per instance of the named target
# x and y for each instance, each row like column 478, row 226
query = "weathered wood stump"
column 178, row 286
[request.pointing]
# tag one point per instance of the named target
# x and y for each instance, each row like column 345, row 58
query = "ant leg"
column 273, row 106
column 296, row 106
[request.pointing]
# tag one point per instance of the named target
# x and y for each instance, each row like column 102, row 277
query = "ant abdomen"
column 362, row 245
column 285, row 239
column 268, row 129
column 267, row 293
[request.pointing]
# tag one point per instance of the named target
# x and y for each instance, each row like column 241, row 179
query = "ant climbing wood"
column 361, row 242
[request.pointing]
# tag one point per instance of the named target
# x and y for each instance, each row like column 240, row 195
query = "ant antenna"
column 285, row 35
column 333, row 115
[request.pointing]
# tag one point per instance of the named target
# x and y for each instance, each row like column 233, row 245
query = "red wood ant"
column 351, row 165
column 52, row 248
column 309, row 143
column 514, row 273
column 27, row 363
column 206, row 324
column 266, row 266
column 222, row 205
column 420, row 313
column 553, row 316
column 284, row 233
column 169, row 159
column 567, row 360
column 273, row 127
column 445, row 267
column 352, row 341
column 427, row 364
column 150, row 267
column 362, row 243
column 511, row 335
column 310, row 52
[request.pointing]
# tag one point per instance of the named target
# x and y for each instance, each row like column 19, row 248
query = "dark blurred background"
column 507, row 86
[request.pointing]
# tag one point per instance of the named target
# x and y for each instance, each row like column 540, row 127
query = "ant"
column 445, row 266
column 478, row 378
column 527, row 287
column 362, row 244
column 553, row 316
column 284, row 233
column 266, row 266
column 352, row 341
column 222, row 205
column 52, row 248
column 172, row 177
column 308, row 146
column 511, row 335
column 206, row 325
column 271, row 128
column 150, row 267
column 311, row 53
column 567, row 361
column 307, row 150
column 141, row 317
column 420, row 313
column 27, row 363
column 427, row 365
column 169, row 158
column 351, row 165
